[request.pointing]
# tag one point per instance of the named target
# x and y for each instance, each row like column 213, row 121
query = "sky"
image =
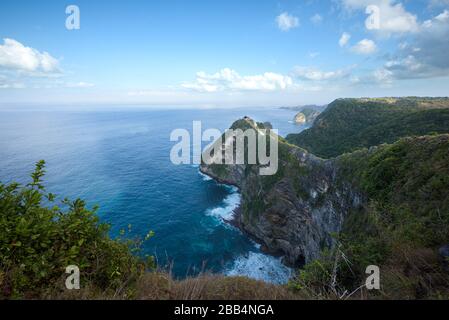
column 221, row 53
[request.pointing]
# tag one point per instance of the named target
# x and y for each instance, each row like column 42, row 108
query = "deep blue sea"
column 119, row 159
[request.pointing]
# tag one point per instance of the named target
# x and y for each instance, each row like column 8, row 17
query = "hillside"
column 349, row 124
column 295, row 211
column 406, row 217
column 403, row 226
column 385, row 206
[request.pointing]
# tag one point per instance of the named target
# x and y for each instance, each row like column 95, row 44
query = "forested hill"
column 351, row 124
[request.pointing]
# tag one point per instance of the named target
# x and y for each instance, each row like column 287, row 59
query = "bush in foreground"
column 39, row 239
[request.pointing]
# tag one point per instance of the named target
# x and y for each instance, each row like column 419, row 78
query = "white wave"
column 255, row 265
column 260, row 266
column 225, row 212
column 230, row 188
column 205, row 176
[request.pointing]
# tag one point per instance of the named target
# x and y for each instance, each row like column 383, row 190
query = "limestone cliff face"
column 300, row 118
column 306, row 116
column 295, row 212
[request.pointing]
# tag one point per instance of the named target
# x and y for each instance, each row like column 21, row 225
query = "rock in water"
column 300, row 118
column 306, row 116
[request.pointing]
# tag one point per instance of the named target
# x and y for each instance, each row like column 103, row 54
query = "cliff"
column 306, row 116
column 294, row 212
column 386, row 205
column 300, row 118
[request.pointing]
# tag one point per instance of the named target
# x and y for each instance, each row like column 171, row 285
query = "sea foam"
column 253, row 264
column 259, row 266
column 204, row 176
column 225, row 212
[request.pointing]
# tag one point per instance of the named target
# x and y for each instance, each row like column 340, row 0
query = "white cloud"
column 229, row 80
column 421, row 51
column 80, row 84
column 439, row 3
column 286, row 21
column 313, row 74
column 364, row 46
column 409, row 62
column 26, row 67
column 316, row 19
column 383, row 75
column 425, row 55
column 14, row 55
column 313, row 55
column 354, row 80
column 393, row 17
column 344, row 39
column 11, row 85
column 441, row 18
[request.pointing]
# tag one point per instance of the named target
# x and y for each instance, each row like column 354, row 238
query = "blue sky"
column 221, row 53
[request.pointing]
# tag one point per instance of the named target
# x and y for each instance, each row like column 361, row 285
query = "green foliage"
column 38, row 240
column 220, row 170
column 409, row 178
column 252, row 208
column 314, row 278
column 351, row 124
column 406, row 214
column 309, row 112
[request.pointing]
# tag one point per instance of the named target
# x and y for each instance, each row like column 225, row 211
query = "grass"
column 160, row 285
column 155, row 286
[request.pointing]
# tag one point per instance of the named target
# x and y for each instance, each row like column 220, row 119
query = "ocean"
column 119, row 158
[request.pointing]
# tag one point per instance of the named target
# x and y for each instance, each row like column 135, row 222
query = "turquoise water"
column 119, row 159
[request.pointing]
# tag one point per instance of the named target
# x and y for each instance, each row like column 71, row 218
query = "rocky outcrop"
column 296, row 211
column 306, row 116
column 300, row 118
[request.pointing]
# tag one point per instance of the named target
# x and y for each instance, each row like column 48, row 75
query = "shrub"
column 401, row 226
column 39, row 239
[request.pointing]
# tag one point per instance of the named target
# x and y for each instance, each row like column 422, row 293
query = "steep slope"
column 306, row 115
column 294, row 212
column 386, row 206
column 404, row 226
column 350, row 124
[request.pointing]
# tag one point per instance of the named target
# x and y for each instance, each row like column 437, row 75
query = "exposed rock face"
column 300, row 118
column 306, row 116
column 296, row 211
